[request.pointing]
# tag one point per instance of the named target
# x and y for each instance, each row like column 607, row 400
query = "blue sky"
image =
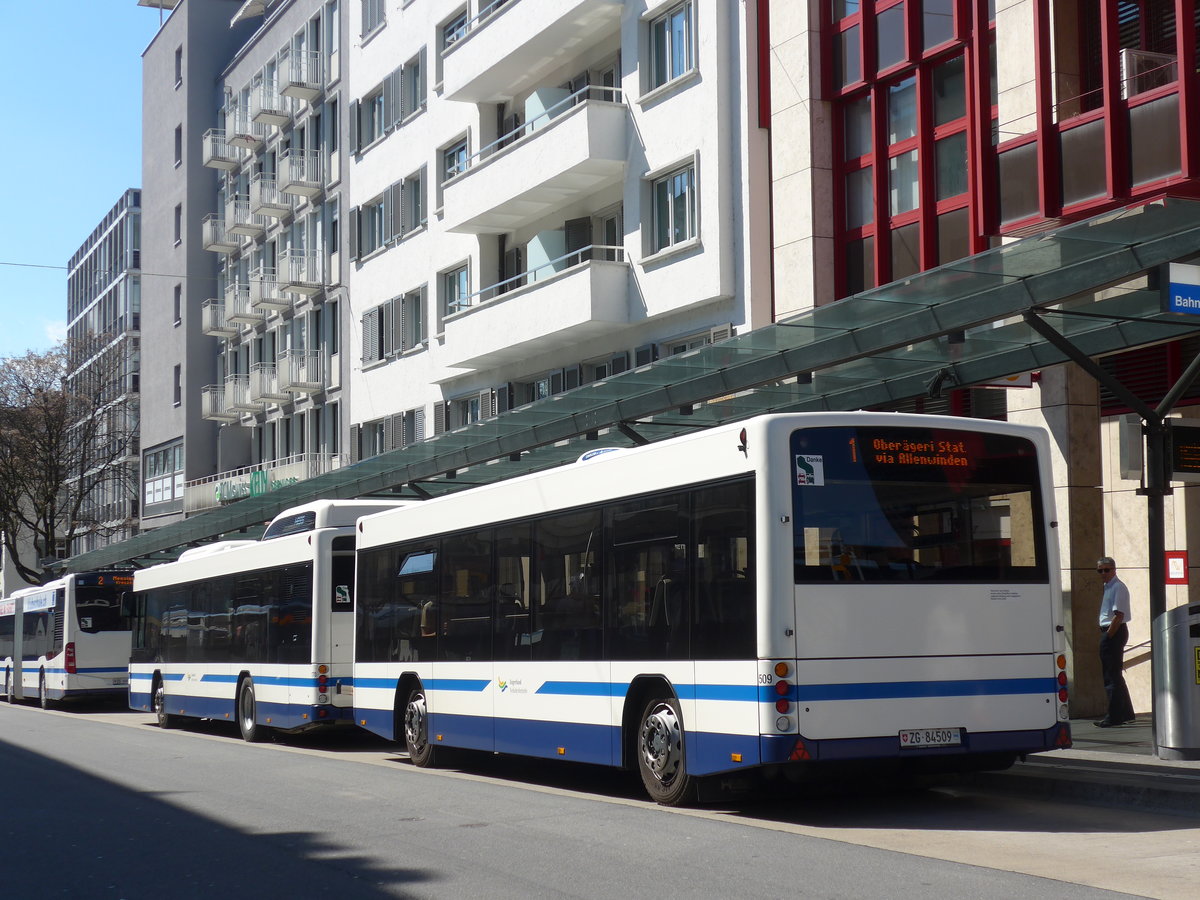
column 69, row 147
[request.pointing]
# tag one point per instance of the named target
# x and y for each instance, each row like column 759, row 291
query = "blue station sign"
column 1182, row 293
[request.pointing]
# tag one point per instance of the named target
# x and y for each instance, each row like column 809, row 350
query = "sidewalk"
column 1109, row 767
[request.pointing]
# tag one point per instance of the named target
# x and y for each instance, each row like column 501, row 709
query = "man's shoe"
column 1104, row 723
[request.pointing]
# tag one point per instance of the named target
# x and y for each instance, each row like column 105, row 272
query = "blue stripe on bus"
column 455, row 684
column 886, row 690
column 583, row 688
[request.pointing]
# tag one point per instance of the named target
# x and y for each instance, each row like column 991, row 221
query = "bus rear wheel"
column 247, row 714
column 43, row 693
column 416, row 730
column 660, row 753
column 8, row 686
column 158, row 701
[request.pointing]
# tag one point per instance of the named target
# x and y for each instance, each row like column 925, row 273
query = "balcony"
column 301, row 172
column 265, row 293
column 256, row 480
column 237, row 304
column 213, row 321
column 214, row 237
column 264, row 384
column 573, row 149
column 560, row 304
column 300, row 271
column 239, row 219
column 301, row 371
column 266, row 198
column 212, row 404
column 268, row 106
column 246, row 134
column 301, row 74
column 517, row 44
column 237, row 394
column 216, row 152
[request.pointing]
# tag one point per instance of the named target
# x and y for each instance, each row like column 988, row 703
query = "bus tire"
column 43, row 692
column 8, row 686
column 158, row 703
column 247, row 714
column 416, row 730
column 662, row 762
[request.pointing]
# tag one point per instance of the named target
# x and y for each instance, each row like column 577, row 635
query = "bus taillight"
column 70, row 655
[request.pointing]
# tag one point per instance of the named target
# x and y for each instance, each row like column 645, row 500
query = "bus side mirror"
column 129, row 604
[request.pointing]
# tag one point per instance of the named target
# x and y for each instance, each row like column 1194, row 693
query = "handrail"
column 475, row 23
column 616, row 95
column 604, row 252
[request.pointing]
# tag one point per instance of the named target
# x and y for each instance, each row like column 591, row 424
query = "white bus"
column 779, row 594
column 260, row 632
column 66, row 639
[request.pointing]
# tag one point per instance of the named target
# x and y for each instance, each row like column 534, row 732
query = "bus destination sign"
column 1185, row 453
column 905, row 452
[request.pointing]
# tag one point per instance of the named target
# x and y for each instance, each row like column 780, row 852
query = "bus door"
column 340, row 636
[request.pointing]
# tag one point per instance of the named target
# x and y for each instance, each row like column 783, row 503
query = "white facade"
column 543, row 193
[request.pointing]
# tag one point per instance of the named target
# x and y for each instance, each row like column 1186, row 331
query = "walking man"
column 1114, row 634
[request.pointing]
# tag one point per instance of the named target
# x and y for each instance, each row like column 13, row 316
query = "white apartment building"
column 543, row 193
column 275, row 305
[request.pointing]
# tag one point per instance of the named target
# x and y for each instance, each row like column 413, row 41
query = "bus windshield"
column 915, row 504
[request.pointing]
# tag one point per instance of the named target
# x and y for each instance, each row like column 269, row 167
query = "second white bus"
column 788, row 592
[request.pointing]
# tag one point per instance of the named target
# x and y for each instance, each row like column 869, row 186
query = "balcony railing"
column 237, row 394
column 267, row 200
column 237, row 304
column 268, row 106
column 300, row 271
column 541, row 272
column 301, row 371
column 245, row 133
column 214, row 237
column 265, row 293
column 212, row 404
column 301, row 74
column 251, row 481
column 213, row 321
column 301, row 172
column 239, row 219
column 264, row 383
column 216, row 151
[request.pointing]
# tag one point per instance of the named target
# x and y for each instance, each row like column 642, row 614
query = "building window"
column 178, row 224
column 374, row 14
column 178, row 66
column 178, row 305
column 178, row 145
column 675, row 208
column 412, row 199
column 178, row 385
column 671, row 45
column 454, row 160
column 455, row 28
column 412, row 80
column 412, row 319
column 371, row 227
column 455, row 290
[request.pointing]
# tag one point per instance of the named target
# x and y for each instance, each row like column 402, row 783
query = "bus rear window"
column 916, row 504
column 99, row 609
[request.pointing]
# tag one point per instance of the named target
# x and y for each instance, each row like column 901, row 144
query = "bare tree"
column 68, row 427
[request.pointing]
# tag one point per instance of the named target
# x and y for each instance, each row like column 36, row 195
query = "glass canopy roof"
column 960, row 324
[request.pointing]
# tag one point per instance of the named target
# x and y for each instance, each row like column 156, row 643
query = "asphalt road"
column 102, row 804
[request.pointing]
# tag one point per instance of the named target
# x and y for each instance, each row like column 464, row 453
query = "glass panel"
column 953, row 236
column 860, row 209
column 860, row 265
column 857, row 120
column 902, row 182
column 1018, row 183
column 1154, row 139
column 849, row 60
column 952, row 166
column 1083, row 163
column 723, row 519
column 906, row 251
column 902, row 111
column 844, row 8
column 890, row 36
column 938, row 21
column 949, row 92
column 916, row 504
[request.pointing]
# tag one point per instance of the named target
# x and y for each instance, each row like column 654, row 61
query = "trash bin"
column 1177, row 705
